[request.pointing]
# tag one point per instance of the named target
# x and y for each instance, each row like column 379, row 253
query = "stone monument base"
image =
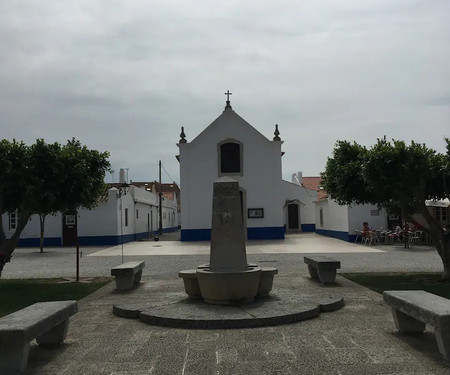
column 163, row 302
column 228, row 288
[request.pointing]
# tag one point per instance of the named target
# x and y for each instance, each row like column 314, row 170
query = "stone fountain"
column 228, row 279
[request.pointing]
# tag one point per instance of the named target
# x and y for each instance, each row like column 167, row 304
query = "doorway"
column 293, row 217
column 69, row 233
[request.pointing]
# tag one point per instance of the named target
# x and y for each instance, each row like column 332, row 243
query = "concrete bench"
column 128, row 274
column 322, row 268
column 47, row 322
column 413, row 309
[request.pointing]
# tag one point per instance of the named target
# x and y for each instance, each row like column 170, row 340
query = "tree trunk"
column 7, row 246
column 441, row 239
column 444, row 252
column 41, row 239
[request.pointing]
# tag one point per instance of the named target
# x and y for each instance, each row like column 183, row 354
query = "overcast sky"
column 125, row 75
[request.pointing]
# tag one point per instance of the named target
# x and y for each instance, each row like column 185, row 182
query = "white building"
column 341, row 222
column 299, row 211
column 124, row 216
column 230, row 146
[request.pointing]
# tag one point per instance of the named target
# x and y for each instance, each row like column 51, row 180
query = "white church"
column 231, row 147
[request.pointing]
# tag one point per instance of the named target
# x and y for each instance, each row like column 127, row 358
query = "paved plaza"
column 358, row 339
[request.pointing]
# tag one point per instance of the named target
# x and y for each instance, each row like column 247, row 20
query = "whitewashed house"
column 231, row 147
column 299, row 210
column 126, row 215
column 338, row 221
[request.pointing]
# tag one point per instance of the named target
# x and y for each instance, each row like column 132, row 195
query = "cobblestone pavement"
column 358, row 339
column 61, row 261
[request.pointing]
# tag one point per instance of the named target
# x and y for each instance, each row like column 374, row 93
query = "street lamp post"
column 123, row 190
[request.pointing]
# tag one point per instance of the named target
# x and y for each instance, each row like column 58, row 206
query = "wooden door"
column 69, row 229
column 293, row 216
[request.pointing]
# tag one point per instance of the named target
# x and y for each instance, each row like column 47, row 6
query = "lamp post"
column 123, row 190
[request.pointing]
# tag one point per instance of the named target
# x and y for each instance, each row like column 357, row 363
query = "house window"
column 441, row 214
column 13, row 219
column 70, row 219
column 230, row 158
column 321, row 217
column 137, row 214
column 126, row 217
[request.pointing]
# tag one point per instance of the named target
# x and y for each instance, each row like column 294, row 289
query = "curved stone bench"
column 413, row 309
column 47, row 322
column 128, row 274
column 322, row 268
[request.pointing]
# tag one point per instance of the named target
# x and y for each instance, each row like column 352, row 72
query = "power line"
column 171, row 179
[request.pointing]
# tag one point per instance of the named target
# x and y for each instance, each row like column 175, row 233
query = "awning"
column 438, row 203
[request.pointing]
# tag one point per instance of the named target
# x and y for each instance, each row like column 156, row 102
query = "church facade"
column 231, row 147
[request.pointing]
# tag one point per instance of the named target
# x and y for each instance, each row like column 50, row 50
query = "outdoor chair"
column 370, row 238
column 358, row 235
column 413, row 238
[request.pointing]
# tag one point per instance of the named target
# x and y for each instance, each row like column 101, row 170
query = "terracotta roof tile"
column 313, row 183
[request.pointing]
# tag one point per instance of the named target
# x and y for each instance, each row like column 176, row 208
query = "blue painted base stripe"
column 195, row 234
column 335, row 234
column 35, row 242
column 308, row 227
column 92, row 240
column 264, row 233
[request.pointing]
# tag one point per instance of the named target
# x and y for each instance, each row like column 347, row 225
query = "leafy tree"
column 393, row 175
column 44, row 179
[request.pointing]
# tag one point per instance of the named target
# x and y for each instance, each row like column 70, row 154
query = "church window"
column 230, row 158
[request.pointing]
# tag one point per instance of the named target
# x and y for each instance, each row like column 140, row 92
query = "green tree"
column 44, row 179
column 396, row 176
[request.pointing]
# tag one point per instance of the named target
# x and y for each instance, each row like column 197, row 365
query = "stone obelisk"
column 228, row 279
column 227, row 231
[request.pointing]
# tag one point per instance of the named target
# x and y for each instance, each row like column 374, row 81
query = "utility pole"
column 160, row 202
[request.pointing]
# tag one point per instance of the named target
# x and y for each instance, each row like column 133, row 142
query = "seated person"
column 366, row 229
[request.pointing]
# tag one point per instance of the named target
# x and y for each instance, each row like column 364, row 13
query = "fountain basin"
column 229, row 288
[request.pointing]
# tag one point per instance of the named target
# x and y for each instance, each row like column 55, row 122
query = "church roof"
column 229, row 116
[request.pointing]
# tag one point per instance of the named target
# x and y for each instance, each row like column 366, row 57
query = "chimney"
column 300, row 177
column 122, row 176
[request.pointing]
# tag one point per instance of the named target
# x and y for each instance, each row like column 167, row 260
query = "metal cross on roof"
column 228, row 93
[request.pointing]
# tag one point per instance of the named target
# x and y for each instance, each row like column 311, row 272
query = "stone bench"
column 413, row 309
column 127, row 274
column 322, row 268
column 47, row 322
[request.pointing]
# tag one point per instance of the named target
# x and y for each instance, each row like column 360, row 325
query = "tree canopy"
column 46, row 178
column 394, row 175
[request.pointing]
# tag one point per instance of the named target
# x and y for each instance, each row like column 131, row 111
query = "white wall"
column 357, row 214
column 307, row 198
column 53, row 226
column 102, row 220
column 199, row 169
column 335, row 217
column 105, row 219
